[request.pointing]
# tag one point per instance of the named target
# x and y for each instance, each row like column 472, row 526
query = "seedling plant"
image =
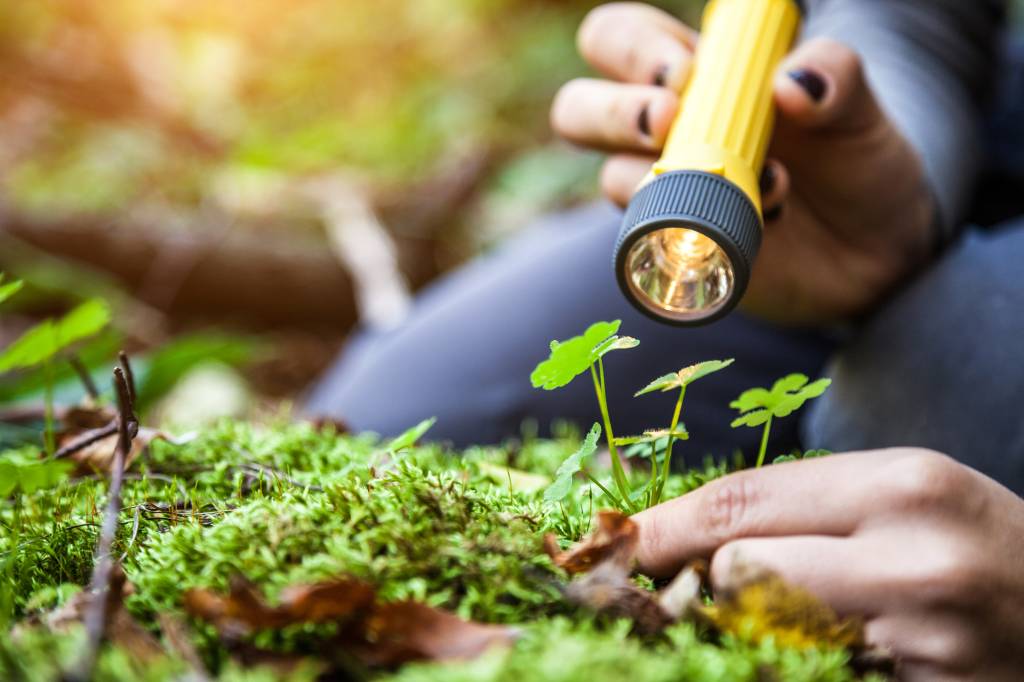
column 580, row 354
column 759, row 406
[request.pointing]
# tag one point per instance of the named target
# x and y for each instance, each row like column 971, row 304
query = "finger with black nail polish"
column 812, row 83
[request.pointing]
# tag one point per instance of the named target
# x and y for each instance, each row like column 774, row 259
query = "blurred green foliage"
column 116, row 101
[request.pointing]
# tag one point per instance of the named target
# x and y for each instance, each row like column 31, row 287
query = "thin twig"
column 86, row 439
column 83, row 374
column 129, row 375
column 103, row 569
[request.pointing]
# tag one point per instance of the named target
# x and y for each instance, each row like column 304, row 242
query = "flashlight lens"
column 680, row 273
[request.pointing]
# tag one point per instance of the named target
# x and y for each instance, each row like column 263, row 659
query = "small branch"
column 129, row 376
column 97, row 612
column 86, row 439
column 83, row 375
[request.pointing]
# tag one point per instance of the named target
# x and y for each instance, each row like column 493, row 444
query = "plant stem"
column 48, row 437
column 607, row 492
column 671, row 442
column 764, row 442
column 654, row 476
column 618, row 474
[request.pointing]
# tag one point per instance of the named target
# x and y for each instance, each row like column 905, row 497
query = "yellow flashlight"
column 693, row 228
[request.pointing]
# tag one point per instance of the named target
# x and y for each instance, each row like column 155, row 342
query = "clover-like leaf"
column 409, row 437
column 614, row 343
column 786, row 396
column 755, row 418
column 685, row 376
column 751, row 400
column 572, row 465
column 791, row 402
column 570, row 358
column 42, row 342
column 788, row 384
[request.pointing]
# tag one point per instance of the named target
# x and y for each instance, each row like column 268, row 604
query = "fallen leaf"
column 324, row 424
column 681, row 599
column 615, row 540
column 98, row 456
column 84, row 418
column 406, row 631
column 244, row 610
column 608, row 590
column 756, row 604
column 378, row 634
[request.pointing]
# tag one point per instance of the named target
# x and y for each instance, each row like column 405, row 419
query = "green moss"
column 286, row 504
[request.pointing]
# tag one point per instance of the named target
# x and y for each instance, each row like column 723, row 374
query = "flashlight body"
column 726, row 115
column 692, row 230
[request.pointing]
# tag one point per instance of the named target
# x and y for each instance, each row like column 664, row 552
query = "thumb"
column 822, row 85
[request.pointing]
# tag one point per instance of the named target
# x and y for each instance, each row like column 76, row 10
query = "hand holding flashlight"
column 848, row 210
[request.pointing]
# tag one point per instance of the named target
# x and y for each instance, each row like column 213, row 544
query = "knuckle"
column 595, row 26
column 727, row 507
column 924, row 480
column 947, row 577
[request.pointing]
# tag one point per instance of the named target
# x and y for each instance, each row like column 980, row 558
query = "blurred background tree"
column 272, row 169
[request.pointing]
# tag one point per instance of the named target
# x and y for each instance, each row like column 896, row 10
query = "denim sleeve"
column 931, row 63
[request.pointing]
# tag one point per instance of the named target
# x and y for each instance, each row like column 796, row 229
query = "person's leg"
column 941, row 367
column 466, row 353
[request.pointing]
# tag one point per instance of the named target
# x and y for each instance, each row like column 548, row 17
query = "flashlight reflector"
column 680, row 274
column 687, row 244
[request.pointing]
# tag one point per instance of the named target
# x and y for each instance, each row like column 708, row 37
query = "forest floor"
column 381, row 560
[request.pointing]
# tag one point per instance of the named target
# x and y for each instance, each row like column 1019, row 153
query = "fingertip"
column 621, row 174
column 661, row 112
column 823, row 83
column 799, row 97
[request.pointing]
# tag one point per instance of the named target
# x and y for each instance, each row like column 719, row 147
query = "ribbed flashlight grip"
column 726, row 115
column 700, row 199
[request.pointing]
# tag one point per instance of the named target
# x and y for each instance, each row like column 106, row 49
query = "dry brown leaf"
column 405, row 631
column 681, row 599
column 324, row 423
column 380, row 635
column 615, row 540
column 85, row 418
column 98, row 457
column 244, row 611
column 608, row 590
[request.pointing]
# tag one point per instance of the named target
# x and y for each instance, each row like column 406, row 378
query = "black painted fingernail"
column 661, row 76
column 812, row 83
column 773, row 214
column 643, row 122
column 767, row 179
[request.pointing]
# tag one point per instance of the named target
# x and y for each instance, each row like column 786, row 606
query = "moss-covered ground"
column 291, row 504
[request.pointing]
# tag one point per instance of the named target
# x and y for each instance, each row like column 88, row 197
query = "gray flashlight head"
column 688, row 242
